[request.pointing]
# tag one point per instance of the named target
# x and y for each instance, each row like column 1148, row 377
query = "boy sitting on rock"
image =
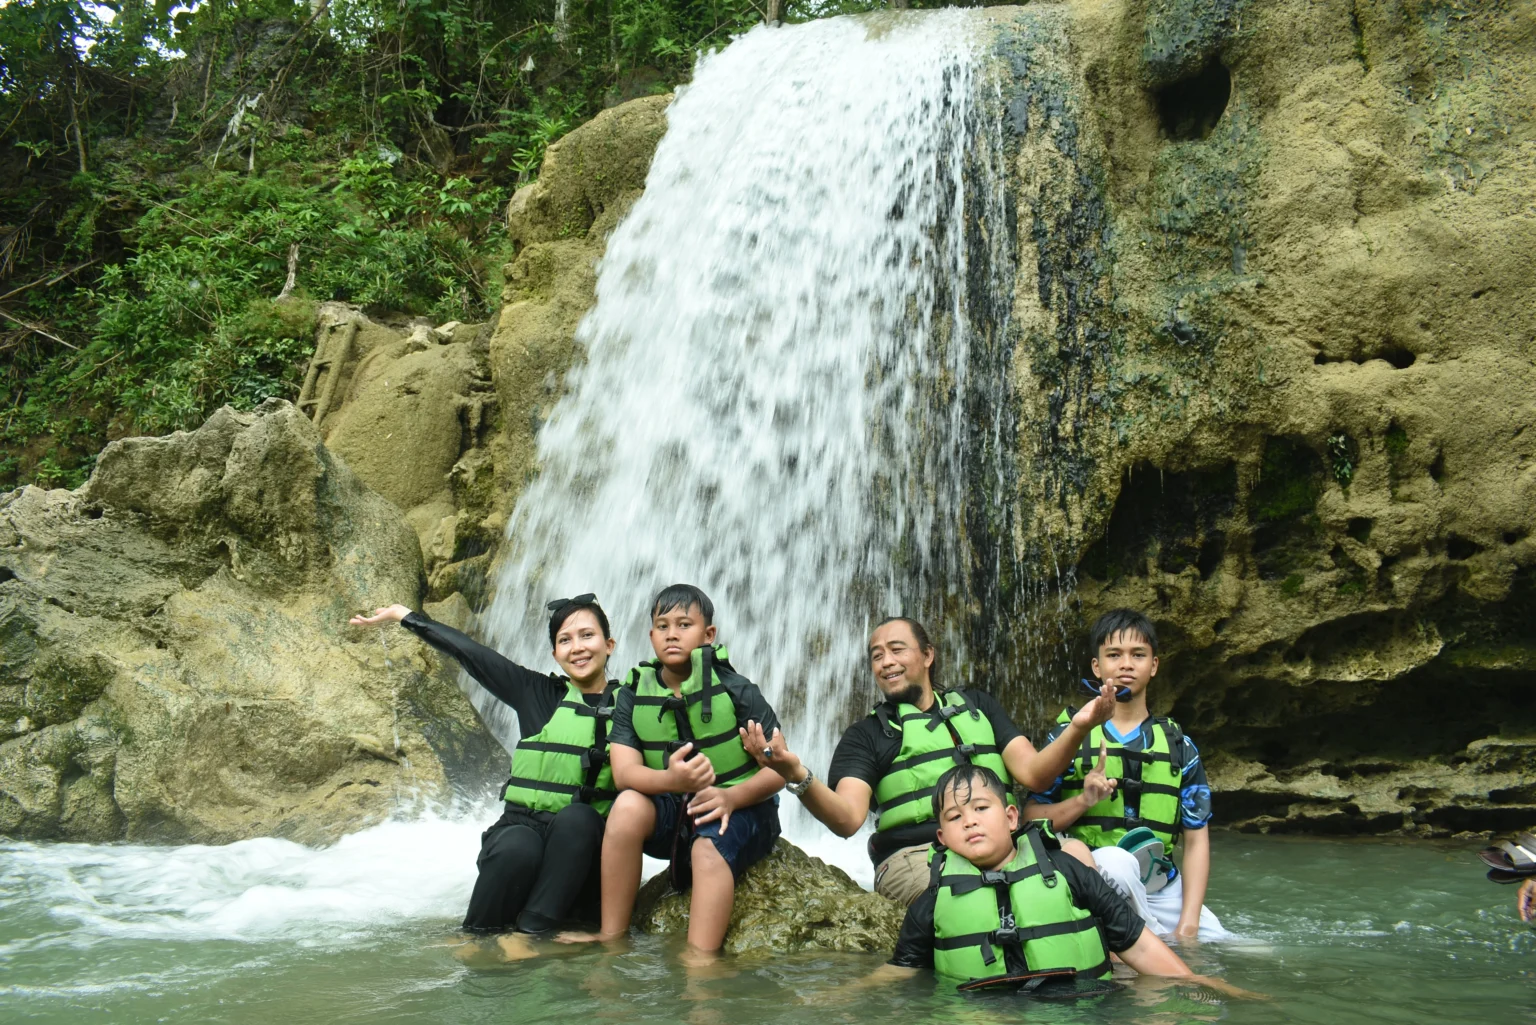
column 1137, row 791
column 677, row 755
column 1006, row 908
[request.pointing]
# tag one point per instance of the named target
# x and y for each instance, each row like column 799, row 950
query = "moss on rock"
column 785, row 903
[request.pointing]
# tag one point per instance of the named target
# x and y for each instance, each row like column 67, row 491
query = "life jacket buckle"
column 593, row 756
column 964, row 752
column 1130, row 786
column 1006, row 935
column 993, row 877
column 950, row 711
column 674, row 746
column 586, row 795
column 603, row 712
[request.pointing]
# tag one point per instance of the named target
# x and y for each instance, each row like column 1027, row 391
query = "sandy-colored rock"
column 1296, row 425
column 786, row 903
column 174, row 658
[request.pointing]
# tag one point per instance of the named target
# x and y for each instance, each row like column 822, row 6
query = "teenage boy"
column 678, row 758
column 1137, row 773
column 994, row 913
column 892, row 757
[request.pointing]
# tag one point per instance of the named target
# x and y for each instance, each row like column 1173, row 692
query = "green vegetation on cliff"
column 161, row 167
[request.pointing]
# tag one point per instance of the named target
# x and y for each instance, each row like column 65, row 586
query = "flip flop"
column 1521, row 856
column 1496, row 859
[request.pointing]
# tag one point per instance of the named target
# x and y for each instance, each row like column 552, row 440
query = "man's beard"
column 908, row 695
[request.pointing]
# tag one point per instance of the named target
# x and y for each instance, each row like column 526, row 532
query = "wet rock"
column 1307, row 450
column 176, row 664
column 785, row 903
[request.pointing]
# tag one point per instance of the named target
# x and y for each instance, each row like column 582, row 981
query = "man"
column 891, row 760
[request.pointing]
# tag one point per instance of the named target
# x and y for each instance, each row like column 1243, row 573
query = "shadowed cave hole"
column 1400, row 357
column 6, row 573
column 1460, row 548
column 1189, row 108
column 1176, row 514
column 1282, row 506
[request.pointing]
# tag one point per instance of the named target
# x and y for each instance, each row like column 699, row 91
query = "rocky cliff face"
column 1296, row 425
column 176, row 664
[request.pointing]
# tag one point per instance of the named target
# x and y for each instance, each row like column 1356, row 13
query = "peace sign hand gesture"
column 1096, row 785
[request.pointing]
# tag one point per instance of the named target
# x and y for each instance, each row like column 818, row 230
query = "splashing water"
column 768, row 408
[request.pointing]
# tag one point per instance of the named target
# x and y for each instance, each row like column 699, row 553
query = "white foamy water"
column 253, row 890
column 768, row 407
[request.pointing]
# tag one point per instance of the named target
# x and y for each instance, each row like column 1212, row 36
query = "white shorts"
column 1162, row 909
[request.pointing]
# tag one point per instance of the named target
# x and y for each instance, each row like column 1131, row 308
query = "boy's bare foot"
column 585, row 937
column 516, row 947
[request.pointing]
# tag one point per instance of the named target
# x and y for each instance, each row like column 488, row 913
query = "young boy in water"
column 1147, row 774
column 976, row 906
column 691, row 792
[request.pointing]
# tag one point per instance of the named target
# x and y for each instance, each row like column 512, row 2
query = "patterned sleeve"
column 1052, row 795
column 1195, row 791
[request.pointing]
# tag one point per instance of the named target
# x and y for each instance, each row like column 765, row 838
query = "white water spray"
column 770, row 406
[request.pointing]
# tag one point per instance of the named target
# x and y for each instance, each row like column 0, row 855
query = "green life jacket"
column 950, row 733
column 709, row 722
column 567, row 761
column 1151, row 778
column 1024, row 908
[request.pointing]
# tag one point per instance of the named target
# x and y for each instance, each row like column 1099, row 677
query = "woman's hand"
column 389, row 614
column 710, row 804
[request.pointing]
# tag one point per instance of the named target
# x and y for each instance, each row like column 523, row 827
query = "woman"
column 539, row 862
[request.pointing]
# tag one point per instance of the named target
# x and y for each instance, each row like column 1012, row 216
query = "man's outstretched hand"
column 1098, row 711
column 772, row 752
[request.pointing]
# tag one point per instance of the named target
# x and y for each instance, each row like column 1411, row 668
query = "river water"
column 268, row 931
column 779, row 363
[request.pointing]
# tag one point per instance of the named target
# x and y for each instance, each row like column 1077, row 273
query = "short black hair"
column 968, row 776
column 683, row 596
column 918, row 634
column 1118, row 621
column 560, row 615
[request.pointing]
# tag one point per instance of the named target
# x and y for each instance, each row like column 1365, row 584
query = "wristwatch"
column 799, row 789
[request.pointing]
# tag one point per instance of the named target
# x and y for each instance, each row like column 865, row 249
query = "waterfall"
column 779, row 396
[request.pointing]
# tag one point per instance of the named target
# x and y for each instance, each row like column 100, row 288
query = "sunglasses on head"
column 580, row 599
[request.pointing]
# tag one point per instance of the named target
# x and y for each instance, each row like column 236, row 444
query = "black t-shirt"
column 1119, row 924
column 533, row 696
column 746, row 698
column 867, row 751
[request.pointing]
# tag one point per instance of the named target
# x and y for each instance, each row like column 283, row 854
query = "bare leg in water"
column 630, row 821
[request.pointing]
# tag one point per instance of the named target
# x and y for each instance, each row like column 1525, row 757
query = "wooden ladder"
column 330, row 359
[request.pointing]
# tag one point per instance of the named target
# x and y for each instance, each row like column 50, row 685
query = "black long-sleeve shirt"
column 533, row 696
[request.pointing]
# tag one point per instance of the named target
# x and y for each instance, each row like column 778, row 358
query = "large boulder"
column 175, row 663
column 786, row 903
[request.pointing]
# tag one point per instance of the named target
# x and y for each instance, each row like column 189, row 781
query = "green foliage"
column 1291, row 585
column 1288, row 482
column 159, row 168
column 1343, row 453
